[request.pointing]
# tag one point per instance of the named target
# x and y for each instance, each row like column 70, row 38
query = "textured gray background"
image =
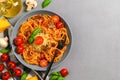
column 95, row 27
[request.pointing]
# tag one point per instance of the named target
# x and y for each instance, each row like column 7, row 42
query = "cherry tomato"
column 1, row 67
column 4, row 57
column 38, row 40
column 59, row 25
column 17, row 72
column 5, row 75
column 64, row 72
column 18, row 41
column 11, row 64
column 43, row 63
column 19, row 49
column 55, row 18
column 42, row 56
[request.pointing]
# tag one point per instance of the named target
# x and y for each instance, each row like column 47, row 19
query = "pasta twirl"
column 51, row 35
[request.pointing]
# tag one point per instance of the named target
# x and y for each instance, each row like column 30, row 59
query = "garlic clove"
column 4, row 42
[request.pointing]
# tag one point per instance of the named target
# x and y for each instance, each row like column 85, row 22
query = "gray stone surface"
column 95, row 27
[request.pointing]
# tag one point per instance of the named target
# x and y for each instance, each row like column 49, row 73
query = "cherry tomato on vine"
column 59, row 25
column 18, row 41
column 1, row 67
column 43, row 63
column 64, row 72
column 38, row 40
column 11, row 64
column 55, row 18
column 17, row 72
column 5, row 75
column 19, row 49
column 4, row 57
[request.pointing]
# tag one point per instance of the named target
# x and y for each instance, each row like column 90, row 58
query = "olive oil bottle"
column 10, row 8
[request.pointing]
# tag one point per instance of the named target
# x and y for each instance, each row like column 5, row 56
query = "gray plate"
column 14, row 34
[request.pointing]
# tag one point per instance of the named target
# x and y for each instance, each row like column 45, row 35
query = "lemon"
column 4, row 24
column 33, row 78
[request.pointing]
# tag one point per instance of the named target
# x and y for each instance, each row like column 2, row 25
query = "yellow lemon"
column 33, row 78
column 4, row 24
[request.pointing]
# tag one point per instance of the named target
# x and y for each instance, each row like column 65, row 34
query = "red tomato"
column 59, row 25
column 11, row 64
column 19, row 49
column 55, row 18
column 42, row 56
column 38, row 40
column 1, row 67
column 17, row 72
column 64, row 72
column 18, row 41
column 5, row 75
column 4, row 57
column 43, row 63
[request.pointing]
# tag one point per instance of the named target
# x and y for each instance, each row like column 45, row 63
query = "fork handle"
column 50, row 65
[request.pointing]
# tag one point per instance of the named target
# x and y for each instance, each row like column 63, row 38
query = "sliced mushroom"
column 31, row 4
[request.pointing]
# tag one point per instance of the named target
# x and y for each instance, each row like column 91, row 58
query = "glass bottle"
column 10, row 8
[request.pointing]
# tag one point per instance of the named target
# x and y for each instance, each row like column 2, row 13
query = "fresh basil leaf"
column 45, row 3
column 5, row 50
column 54, row 78
column 60, row 78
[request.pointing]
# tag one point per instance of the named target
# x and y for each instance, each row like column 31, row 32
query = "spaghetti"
column 32, row 53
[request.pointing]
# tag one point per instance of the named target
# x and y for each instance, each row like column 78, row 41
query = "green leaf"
column 45, row 3
column 5, row 50
column 55, row 74
column 60, row 78
column 54, row 78
column 32, row 36
column 24, row 75
column 59, row 74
